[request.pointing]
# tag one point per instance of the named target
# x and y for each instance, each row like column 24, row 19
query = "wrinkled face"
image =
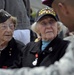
column 47, row 28
column 6, row 30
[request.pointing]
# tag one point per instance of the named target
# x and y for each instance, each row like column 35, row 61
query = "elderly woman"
column 10, row 49
column 50, row 48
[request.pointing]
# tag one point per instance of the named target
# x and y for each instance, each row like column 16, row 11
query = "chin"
column 50, row 38
column 8, row 39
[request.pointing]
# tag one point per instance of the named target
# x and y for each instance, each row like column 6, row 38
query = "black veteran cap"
column 47, row 2
column 45, row 11
column 4, row 15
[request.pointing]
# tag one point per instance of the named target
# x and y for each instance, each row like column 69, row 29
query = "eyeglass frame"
column 5, row 26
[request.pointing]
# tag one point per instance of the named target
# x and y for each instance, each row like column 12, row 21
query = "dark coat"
column 53, row 52
column 11, row 56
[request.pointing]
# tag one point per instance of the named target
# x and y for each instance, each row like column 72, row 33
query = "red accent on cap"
column 47, row 2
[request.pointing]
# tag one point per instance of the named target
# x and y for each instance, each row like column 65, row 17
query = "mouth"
column 8, row 35
column 49, row 31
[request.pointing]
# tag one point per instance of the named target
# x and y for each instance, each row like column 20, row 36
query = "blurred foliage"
column 33, row 14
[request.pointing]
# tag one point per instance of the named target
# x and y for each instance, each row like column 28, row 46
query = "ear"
column 63, row 8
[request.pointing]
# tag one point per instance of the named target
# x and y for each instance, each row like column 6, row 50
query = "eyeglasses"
column 5, row 26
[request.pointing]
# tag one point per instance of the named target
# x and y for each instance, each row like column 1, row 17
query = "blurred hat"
column 47, row 2
column 45, row 11
column 4, row 15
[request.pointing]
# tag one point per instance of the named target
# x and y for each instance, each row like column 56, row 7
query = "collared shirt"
column 44, row 44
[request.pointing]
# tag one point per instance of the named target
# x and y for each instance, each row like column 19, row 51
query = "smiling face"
column 6, row 30
column 47, row 27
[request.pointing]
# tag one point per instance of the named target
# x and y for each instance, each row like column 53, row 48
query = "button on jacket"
column 11, row 56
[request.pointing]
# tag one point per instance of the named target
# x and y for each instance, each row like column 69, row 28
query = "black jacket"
column 11, row 56
column 53, row 52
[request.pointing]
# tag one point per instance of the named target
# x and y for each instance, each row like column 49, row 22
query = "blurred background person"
column 31, row 17
column 10, row 49
column 50, row 48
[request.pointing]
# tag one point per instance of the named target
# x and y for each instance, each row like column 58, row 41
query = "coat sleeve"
column 63, row 67
column 2, row 4
column 27, row 5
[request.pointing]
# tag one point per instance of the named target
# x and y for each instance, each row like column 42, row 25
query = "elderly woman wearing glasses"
column 50, row 48
column 10, row 49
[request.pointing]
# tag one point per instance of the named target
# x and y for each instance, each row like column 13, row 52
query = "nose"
column 48, row 25
column 8, row 28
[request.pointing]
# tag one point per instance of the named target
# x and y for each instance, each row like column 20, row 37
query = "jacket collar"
column 50, row 48
column 53, row 45
column 36, row 47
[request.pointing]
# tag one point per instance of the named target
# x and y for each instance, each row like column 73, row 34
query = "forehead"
column 46, row 17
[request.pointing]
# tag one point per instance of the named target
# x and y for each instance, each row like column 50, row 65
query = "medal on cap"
column 36, row 59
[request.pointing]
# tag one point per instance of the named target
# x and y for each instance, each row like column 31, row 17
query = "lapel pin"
column 50, row 49
column 36, row 59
